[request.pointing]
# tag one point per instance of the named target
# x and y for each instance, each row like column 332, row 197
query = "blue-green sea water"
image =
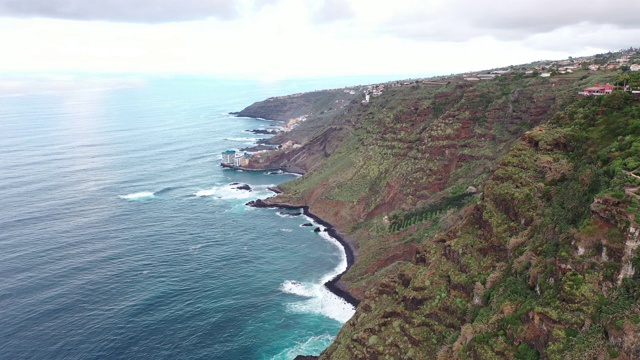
column 122, row 238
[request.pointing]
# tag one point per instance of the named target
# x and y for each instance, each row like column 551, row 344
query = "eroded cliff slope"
column 491, row 220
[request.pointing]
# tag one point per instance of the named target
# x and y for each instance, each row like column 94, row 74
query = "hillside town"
column 627, row 60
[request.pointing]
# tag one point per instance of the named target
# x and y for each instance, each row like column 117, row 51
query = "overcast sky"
column 278, row 39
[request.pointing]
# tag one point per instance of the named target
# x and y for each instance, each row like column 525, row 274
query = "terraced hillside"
column 491, row 220
column 541, row 265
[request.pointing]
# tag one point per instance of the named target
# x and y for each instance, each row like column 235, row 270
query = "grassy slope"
column 525, row 272
column 529, row 265
column 413, row 148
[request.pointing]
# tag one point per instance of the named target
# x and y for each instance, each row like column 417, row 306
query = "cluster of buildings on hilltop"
column 611, row 61
column 232, row 158
column 289, row 145
column 372, row 90
column 625, row 60
column 293, row 123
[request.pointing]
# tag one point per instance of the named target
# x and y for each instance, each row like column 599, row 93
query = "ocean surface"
column 122, row 238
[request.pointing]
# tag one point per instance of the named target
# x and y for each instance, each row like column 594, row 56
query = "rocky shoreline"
column 333, row 285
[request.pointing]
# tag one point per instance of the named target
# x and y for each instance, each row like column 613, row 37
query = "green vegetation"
column 432, row 211
column 536, row 262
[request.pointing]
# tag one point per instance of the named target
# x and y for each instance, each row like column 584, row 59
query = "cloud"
column 460, row 20
column 334, row 10
column 306, row 38
column 585, row 38
column 143, row 11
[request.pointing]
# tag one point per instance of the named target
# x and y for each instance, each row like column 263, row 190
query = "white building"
column 228, row 157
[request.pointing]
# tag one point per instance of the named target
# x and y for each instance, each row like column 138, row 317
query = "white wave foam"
column 231, row 192
column 342, row 266
column 313, row 346
column 320, row 299
column 325, row 303
column 298, row 288
column 276, row 172
column 285, row 214
column 286, row 230
column 138, row 196
column 244, row 140
column 225, row 192
column 202, row 193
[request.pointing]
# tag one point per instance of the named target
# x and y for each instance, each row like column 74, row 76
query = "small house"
column 598, row 89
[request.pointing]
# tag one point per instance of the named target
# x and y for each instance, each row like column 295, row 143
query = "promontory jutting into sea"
column 126, row 238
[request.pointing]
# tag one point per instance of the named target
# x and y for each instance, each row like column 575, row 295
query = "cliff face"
column 542, row 266
column 492, row 220
column 284, row 108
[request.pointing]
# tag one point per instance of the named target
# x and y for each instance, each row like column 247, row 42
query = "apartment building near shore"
column 232, row 158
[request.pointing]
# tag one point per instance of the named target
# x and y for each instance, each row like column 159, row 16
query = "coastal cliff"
column 493, row 219
column 284, row 108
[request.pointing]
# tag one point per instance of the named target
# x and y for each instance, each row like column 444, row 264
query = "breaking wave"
column 287, row 214
column 319, row 299
column 244, row 140
column 297, row 288
column 231, row 192
column 138, row 195
column 313, row 346
column 147, row 195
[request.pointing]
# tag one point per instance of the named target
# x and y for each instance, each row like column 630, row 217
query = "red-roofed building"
column 598, row 89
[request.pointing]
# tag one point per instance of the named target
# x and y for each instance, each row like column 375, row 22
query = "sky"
column 287, row 39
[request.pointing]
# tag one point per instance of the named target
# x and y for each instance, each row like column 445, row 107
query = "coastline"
column 286, row 169
column 333, row 284
column 233, row 167
column 350, row 251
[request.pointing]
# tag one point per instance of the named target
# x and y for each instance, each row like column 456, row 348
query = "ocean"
column 121, row 236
